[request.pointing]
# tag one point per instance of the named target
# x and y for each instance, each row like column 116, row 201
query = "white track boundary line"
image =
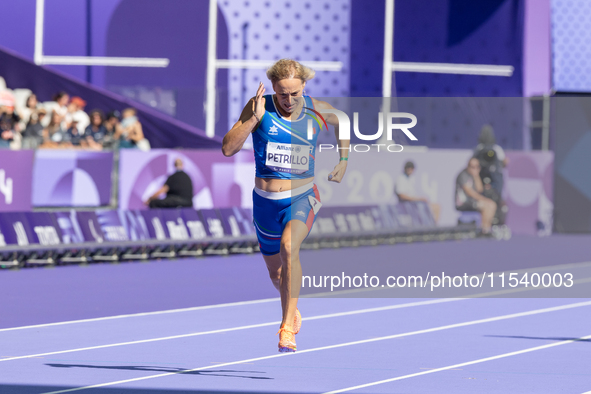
column 429, row 330
column 481, row 360
column 194, row 334
column 241, row 303
column 195, row 308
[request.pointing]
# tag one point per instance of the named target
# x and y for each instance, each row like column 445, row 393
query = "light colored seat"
column 20, row 97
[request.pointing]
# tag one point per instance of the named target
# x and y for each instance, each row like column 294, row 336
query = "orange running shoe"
column 297, row 322
column 286, row 340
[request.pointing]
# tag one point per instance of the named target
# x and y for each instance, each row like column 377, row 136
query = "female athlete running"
column 285, row 200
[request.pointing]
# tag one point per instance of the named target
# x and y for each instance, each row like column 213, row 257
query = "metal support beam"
column 211, row 69
column 39, row 15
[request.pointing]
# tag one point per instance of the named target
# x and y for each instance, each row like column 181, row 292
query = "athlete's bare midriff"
column 280, row 185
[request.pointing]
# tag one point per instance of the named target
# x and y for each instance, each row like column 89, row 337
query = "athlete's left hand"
column 338, row 173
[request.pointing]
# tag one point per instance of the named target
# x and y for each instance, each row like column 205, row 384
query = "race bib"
column 291, row 158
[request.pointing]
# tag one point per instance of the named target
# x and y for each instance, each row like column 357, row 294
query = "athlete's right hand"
column 258, row 105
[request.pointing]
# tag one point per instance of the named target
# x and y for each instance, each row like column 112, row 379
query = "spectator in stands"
column 75, row 134
column 29, row 111
column 76, row 110
column 9, row 120
column 131, row 134
column 405, row 189
column 113, row 127
column 95, row 132
column 178, row 189
column 53, row 134
column 59, row 105
column 469, row 189
column 33, row 134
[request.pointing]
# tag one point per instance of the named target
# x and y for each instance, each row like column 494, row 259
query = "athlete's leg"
column 291, row 270
column 274, row 267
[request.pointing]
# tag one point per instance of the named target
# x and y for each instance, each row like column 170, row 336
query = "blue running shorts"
column 272, row 211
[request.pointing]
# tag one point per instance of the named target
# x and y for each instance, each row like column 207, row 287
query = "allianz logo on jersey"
column 289, row 148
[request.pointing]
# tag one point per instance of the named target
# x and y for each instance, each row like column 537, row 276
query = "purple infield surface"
column 407, row 345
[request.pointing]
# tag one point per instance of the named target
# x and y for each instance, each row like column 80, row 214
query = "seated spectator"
column 76, row 110
column 33, row 134
column 469, row 189
column 59, row 105
column 405, row 189
column 95, row 132
column 75, row 134
column 178, row 189
column 131, row 134
column 53, row 134
column 29, row 111
column 9, row 127
column 113, row 127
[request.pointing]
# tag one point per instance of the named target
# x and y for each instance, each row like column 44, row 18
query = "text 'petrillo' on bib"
column 291, row 158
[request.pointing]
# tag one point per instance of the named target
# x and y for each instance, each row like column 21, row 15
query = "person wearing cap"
column 405, row 189
column 76, row 110
column 8, row 120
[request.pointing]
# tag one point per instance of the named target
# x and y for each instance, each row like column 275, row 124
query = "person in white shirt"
column 76, row 112
column 406, row 191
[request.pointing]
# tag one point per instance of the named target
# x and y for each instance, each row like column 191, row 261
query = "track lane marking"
column 195, row 308
column 222, row 330
column 265, row 300
column 429, row 330
column 456, row 366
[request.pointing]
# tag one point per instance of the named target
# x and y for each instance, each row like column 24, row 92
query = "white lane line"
column 196, row 308
column 406, row 334
column 316, row 295
column 455, row 366
column 194, row 334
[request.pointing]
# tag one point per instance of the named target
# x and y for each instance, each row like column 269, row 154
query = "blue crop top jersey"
column 281, row 147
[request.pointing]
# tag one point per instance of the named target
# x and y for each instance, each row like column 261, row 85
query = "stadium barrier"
column 47, row 238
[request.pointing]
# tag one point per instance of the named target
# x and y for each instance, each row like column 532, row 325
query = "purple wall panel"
column 194, row 223
column 213, row 223
column 72, row 178
column 16, row 174
column 16, row 229
column 236, row 222
column 218, row 181
column 90, row 227
column 135, row 225
column 44, row 227
column 69, row 227
column 371, row 178
column 111, row 226
column 174, row 224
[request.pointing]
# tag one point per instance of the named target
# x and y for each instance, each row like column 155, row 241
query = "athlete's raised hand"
column 258, row 106
column 339, row 172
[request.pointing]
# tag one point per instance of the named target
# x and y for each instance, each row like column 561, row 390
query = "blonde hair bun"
column 288, row 69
